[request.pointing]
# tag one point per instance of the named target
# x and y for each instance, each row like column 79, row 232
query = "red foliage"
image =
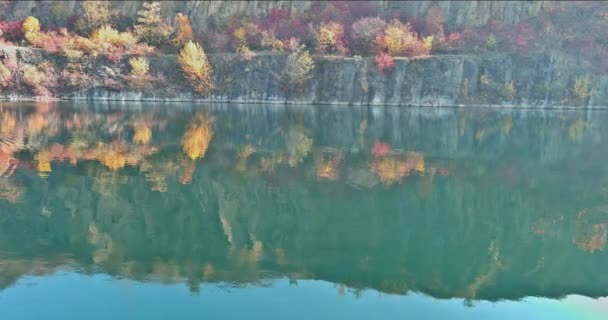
column 274, row 17
column 115, row 56
column 52, row 42
column 384, row 62
column 454, row 37
column 522, row 36
column 380, row 149
column 12, row 30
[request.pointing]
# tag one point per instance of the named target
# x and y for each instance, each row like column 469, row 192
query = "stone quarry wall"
column 539, row 80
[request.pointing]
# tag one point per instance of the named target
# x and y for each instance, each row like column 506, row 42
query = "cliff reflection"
column 473, row 204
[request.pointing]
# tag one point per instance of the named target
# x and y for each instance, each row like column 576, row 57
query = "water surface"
column 168, row 211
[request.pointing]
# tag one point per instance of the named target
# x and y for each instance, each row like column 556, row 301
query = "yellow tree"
column 31, row 29
column 196, row 67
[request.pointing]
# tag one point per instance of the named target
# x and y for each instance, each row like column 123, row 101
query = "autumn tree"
column 139, row 71
column 330, row 39
column 298, row 66
column 31, row 29
column 196, row 67
column 151, row 27
column 363, row 33
column 95, row 14
column 184, row 30
column 398, row 39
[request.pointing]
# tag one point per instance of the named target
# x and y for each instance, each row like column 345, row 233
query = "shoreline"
column 303, row 103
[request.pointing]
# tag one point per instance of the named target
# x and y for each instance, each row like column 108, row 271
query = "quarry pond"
column 177, row 210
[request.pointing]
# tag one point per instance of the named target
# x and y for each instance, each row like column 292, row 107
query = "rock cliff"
column 539, row 80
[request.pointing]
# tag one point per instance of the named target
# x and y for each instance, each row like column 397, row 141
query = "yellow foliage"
column 582, row 88
column 485, row 79
column 245, row 53
column 107, row 35
column 397, row 37
column 428, row 43
column 139, row 66
column 198, row 136
column 510, row 90
column 240, row 34
column 142, row 135
column 196, row 67
column 5, row 75
column 112, row 158
column 277, row 45
column 326, row 38
column 329, row 38
column 31, row 25
column 298, row 66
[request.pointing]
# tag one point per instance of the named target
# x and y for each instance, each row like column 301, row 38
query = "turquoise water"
column 166, row 211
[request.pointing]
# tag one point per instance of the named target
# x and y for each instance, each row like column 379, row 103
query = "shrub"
column 245, row 53
column 42, row 80
column 95, row 14
column 196, row 67
column 363, row 33
column 51, row 42
column 240, row 37
column 582, row 89
column 139, row 66
column 427, row 42
column 74, row 78
column 6, row 75
column 330, row 39
column 490, row 43
column 298, row 66
column 139, row 71
column 107, row 36
column 151, row 27
column 184, row 30
column 12, row 30
column 510, row 91
column 384, row 62
column 31, row 29
column 398, row 39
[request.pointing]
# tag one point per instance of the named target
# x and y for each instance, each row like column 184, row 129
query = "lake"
column 175, row 211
